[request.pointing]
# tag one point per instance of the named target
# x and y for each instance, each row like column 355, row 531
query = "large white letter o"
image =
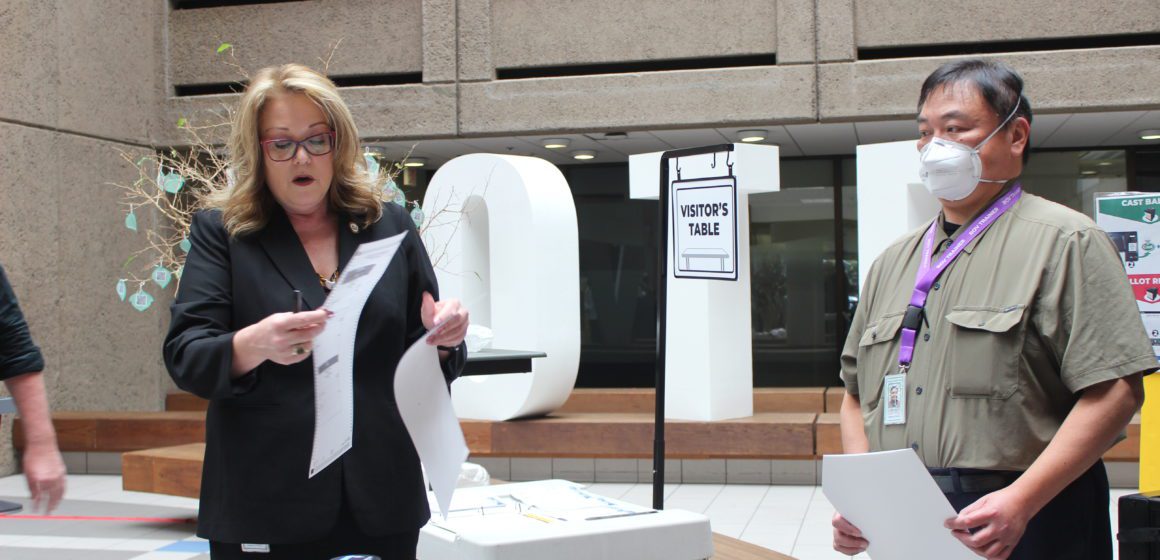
column 502, row 234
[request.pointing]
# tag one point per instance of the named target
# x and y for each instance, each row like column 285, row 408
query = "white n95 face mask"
column 951, row 170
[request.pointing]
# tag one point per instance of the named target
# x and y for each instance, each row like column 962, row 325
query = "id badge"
column 894, row 392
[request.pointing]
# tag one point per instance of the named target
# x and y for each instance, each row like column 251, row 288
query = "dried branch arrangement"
column 174, row 183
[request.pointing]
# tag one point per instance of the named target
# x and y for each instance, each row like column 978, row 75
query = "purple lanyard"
column 928, row 274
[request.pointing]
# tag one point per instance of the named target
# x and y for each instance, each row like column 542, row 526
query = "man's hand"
column 45, row 473
column 992, row 526
column 43, row 466
column 847, row 538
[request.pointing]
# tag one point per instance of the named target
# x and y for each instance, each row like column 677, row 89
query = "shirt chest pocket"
column 985, row 349
column 877, row 356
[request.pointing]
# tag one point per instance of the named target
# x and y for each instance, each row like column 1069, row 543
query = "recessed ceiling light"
column 752, row 135
column 1104, row 163
column 583, row 154
column 1150, row 134
column 1088, row 172
column 556, row 143
column 415, row 162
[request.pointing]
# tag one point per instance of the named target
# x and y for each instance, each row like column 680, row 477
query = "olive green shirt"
column 1031, row 312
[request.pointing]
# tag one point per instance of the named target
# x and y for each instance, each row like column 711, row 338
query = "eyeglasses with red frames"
column 284, row 149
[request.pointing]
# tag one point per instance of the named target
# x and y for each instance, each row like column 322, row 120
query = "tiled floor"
column 99, row 521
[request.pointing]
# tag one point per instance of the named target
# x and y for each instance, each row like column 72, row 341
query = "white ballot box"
column 559, row 520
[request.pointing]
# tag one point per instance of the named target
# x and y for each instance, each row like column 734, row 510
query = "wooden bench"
column 828, row 435
column 175, row 471
column 120, row 431
column 783, row 435
column 166, row 447
column 765, row 399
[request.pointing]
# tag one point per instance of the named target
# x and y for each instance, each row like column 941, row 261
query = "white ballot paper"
column 892, row 499
column 334, row 351
column 425, row 405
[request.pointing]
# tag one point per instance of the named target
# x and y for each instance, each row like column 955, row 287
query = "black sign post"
column 662, row 309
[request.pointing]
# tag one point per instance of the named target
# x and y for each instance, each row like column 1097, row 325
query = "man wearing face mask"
column 1007, row 326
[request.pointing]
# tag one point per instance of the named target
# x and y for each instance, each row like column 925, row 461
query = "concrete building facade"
column 83, row 81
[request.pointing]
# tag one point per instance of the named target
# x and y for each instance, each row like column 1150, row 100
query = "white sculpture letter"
column 502, row 234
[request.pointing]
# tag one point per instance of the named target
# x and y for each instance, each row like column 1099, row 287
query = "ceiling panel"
column 824, row 138
column 690, row 138
column 558, row 156
column 1090, row 129
column 1048, row 131
column 437, row 152
column 634, row 143
column 1043, row 126
column 1130, row 134
column 877, row 132
column 787, row 147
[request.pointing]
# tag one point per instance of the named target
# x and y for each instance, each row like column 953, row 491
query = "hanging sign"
column 704, row 218
column 1132, row 221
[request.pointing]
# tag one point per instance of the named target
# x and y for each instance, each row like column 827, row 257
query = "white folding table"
column 488, row 524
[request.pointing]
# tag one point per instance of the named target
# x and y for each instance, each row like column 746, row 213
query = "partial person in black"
column 21, row 367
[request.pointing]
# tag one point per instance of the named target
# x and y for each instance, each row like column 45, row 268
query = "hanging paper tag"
column 894, row 391
column 171, row 182
column 140, row 300
column 121, row 289
column 131, row 221
column 185, row 244
column 372, row 165
column 391, row 189
column 161, row 276
column 400, row 199
column 417, row 215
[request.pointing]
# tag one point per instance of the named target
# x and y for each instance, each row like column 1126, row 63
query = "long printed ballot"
column 892, row 499
column 334, row 351
column 425, row 405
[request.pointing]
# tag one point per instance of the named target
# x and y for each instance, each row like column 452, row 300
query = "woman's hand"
column 282, row 338
column 446, row 321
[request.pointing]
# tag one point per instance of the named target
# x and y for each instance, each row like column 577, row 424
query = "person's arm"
column 44, row 468
column 425, row 310
column 1089, row 430
column 203, row 353
column 853, row 431
column 848, row 539
column 20, row 365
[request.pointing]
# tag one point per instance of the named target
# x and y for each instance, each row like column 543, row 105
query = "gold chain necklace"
column 328, row 283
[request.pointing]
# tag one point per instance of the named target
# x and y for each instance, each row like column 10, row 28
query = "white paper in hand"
column 892, row 499
column 334, row 351
column 425, row 405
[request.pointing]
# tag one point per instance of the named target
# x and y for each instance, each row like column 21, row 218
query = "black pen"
column 297, row 301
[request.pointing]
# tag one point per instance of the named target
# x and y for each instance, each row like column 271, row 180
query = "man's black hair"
column 999, row 84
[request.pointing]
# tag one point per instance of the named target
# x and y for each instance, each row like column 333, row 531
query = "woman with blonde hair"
column 300, row 203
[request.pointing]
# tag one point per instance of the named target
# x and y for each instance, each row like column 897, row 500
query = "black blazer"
column 260, row 427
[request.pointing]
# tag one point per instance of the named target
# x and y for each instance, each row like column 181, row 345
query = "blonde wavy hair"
column 247, row 202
